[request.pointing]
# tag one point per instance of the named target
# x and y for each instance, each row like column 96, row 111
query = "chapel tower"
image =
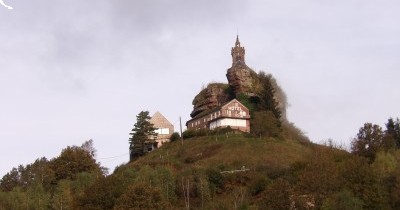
column 237, row 53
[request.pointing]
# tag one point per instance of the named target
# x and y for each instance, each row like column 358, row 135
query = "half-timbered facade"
column 233, row 114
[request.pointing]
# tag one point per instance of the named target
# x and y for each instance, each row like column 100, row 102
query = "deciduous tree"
column 74, row 160
column 141, row 196
column 369, row 141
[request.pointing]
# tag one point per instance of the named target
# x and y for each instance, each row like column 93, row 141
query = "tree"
column 175, row 136
column 10, row 180
column 264, row 123
column 102, row 194
column 88, row 146
column 369, row 141
column 361, row 180
column 393, row 131
column 320, row 176
column 74, row 160
column 62, row 197
column 143, row 135
column 267, row 96
column 141, row 196
column 277, row 195
column 38, row 172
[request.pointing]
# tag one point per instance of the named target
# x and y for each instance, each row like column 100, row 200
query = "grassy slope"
column 267, row 158
column 227, row 153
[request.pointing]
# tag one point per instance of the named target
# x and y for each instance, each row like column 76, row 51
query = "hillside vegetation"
column 216, row 171
column 227, row 171
column 235, row 171
column 226, row 152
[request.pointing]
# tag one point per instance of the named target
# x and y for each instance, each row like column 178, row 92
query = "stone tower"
column 240, row 76
column 237, row 52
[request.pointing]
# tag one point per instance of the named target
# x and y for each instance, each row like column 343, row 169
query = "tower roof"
column 238, row 53
column 237, row 43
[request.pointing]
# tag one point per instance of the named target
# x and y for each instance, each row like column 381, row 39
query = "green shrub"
column 341, row 201
column 258, row 185
column 175, row 136
column 189, row 133
column 215, row 178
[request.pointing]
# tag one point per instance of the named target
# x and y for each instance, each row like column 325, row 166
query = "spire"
column 237, row 53
column 237, row 43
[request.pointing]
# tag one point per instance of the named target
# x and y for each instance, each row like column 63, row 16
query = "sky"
column 76, row 70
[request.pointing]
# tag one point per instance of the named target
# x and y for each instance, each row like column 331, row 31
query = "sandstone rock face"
column 242, row 79
column 213, row 95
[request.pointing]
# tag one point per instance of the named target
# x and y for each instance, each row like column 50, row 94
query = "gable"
column 159, row 121
column 235, row 105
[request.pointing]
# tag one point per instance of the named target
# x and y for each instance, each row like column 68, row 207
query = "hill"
column 218, row 171
column 236, row 171
column 227, row 152
column 226, row 171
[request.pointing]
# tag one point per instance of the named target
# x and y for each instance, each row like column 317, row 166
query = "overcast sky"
column 77, row 70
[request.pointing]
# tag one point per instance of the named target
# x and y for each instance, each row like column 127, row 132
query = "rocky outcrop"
column 215, row 94
column 242, row 79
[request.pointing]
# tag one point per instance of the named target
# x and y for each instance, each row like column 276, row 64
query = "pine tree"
column 393, row 130
column 143, row 135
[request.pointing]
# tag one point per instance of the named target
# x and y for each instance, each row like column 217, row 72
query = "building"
column 164, row 128
column 233, row 114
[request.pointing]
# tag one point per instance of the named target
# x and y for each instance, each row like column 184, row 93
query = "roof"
column 159, row 121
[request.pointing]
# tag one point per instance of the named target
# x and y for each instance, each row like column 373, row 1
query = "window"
column 164, row 131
